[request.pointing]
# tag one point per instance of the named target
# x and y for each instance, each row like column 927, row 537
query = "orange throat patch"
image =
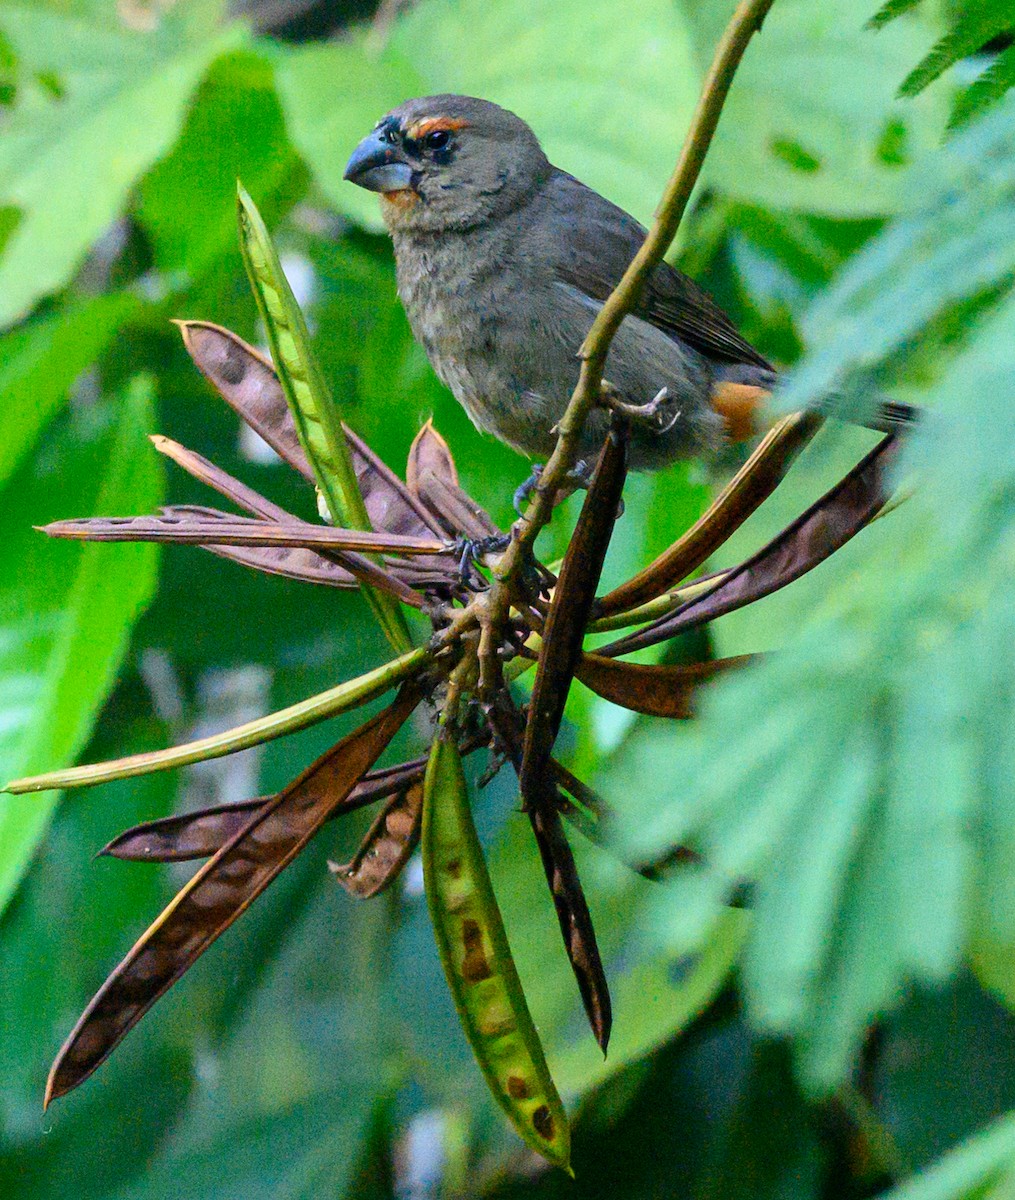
column 402, row 199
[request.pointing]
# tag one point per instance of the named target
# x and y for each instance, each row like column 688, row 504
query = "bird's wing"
column 601, row 241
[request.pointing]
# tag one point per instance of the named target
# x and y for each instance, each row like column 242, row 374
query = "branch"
column 746, row 21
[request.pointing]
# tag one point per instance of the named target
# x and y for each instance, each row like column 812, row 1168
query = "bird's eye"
column 437, row 140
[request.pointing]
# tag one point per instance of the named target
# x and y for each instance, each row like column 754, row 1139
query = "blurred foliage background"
column 836, row 1039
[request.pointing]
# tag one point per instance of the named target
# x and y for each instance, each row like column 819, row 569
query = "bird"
column 502, row 263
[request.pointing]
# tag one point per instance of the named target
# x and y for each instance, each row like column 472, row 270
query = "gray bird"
column 503, row 261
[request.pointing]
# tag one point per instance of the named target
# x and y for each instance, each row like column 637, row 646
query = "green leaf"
column 799, row 131
column 974, row 23
column 333, row 95
column 51, row 967
column 67, row 610
column 995, row 82
column 40, row 361
column 234, row 129
column 982, row 1168
column 804, row 127
column 862, row 777
column 300, row 1153
column 638, row 89
column 994, row 964
column 977, row 22
column 958, row 245
column 121, row 99
column 656, row 999
column 891, row 10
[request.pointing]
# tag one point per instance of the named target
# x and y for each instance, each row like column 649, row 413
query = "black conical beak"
column 378, row 166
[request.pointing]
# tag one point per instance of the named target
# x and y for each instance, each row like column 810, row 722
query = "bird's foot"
column 577, row 479
column 653, row 415
column 524, row 490
column 470, row 551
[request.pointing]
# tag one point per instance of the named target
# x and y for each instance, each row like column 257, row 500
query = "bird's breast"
column 491, row 342
column 455, row 307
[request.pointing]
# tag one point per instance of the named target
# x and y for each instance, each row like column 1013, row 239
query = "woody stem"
column 491, row 610
column 746, row 21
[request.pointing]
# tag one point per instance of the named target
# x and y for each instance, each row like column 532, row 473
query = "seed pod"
column 196, row 524
column 825, row 527
column 658, row 690
column 477, row 962
column 317, row 421
column 387, row 846
column 221, row 891
column 342, row 698
column 249, row 384
column 756, row 480
column 564, row 629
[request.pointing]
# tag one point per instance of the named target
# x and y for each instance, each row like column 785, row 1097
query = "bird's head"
column 448, row 162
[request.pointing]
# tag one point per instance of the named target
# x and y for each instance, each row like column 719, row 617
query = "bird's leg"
column 524, row 490
column 577, row 479
column 580, row 476
column 651, row 414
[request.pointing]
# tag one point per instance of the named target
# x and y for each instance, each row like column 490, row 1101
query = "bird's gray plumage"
column 503, row 262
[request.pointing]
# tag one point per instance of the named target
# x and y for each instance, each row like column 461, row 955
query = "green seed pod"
column 318, row 424
column 477, row 962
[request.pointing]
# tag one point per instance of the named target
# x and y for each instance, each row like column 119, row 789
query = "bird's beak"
column 378, row 166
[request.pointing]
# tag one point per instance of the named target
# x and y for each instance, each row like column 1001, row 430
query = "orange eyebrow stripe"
column 435, row 124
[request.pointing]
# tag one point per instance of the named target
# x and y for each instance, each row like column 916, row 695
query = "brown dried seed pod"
column 220, row 891
column 387, row 846
column 825, row 527
column 655, row 690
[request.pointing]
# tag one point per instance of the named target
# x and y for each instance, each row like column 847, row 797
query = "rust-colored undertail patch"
column 738, row 404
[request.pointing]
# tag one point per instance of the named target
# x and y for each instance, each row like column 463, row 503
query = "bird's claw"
column 651, row 414
column 577, row 479
column 470, row 551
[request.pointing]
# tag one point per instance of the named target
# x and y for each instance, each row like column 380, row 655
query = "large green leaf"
column 982, row 1168
column 67, row 610
column 801, row 129
column 94, row 109
column 859, row 774
column 638, row 86
column 40, row 361
column 234, row 130
column 332, row 96
column 813, row 122
column 637, row 89
column 50, row 967
column 305, row 1055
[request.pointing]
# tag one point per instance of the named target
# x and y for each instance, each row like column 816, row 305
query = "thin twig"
column 746, row 21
